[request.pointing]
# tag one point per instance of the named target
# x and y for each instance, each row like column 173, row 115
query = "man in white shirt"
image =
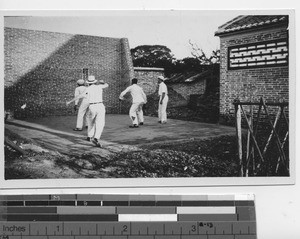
column 83, row 105
column 163, row 100
column 96, row 113
column 138, row 100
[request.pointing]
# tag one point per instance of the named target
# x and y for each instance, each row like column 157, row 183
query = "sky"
column 172, row 28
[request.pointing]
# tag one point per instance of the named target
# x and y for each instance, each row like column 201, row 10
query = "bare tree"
column 199, row 54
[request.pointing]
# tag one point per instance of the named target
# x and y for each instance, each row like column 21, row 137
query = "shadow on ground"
column 64, row 153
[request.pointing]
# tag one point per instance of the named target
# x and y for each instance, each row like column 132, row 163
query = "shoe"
column 141, row 123
column 164, row 122
column 95, row 142
column 133, row 126
column 77, row 129
column 88, row 139
column 159, row 121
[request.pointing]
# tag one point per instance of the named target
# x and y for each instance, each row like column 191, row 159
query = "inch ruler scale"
column 95, row 216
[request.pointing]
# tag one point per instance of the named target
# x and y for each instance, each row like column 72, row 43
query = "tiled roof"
column 250, row 22
column 189, row 77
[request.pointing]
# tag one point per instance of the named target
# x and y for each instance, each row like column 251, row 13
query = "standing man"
column 83, row 107
column 138, row 100
column 163, row 100
column 96, row 113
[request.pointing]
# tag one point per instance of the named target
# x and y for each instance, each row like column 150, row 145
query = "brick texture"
column 147, row 78
column 188, row 89
column 127, row 73
column 41, row 70
column 271, row 83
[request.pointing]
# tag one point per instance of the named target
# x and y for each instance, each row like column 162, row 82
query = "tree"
column 199, row 54
column 187, row 64
column 161, row 56
column 153, row 56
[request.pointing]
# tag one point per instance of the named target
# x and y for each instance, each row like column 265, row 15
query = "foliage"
column 152, row 56
column 161, row 56
column 187, row 64
column 199, row 54
column 148, row 55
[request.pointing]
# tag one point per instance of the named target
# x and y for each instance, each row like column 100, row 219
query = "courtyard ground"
column 55, row 150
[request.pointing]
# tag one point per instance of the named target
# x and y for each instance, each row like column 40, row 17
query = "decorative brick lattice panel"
column 251, row 83
column 261, row 54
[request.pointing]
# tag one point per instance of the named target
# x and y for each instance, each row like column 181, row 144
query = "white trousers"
column 162, row 109
column 82, row 113
column 136, row 113
column 96, row 122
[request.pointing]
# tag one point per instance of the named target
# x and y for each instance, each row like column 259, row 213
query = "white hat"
column 101, row 81
column 91, row 80
column 80, row 82
column 161, row 78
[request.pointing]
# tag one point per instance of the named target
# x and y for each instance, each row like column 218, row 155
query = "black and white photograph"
column 149, row 94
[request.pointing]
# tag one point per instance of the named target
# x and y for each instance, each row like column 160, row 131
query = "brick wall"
column 271, row 83
column 127, row 73
column 147, row 78
column 41, row 70
column 187, row 89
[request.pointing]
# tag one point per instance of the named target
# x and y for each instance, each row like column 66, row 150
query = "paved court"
column 57, row 133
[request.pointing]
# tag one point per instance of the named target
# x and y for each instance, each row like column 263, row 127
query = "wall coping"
column 148, row 69
column 65, row 33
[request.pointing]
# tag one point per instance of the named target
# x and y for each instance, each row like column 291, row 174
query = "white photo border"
column 156, row 182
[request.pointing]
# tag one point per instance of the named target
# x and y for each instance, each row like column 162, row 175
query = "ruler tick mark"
column 179, row 229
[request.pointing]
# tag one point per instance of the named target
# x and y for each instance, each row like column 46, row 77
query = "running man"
column 138, row 100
